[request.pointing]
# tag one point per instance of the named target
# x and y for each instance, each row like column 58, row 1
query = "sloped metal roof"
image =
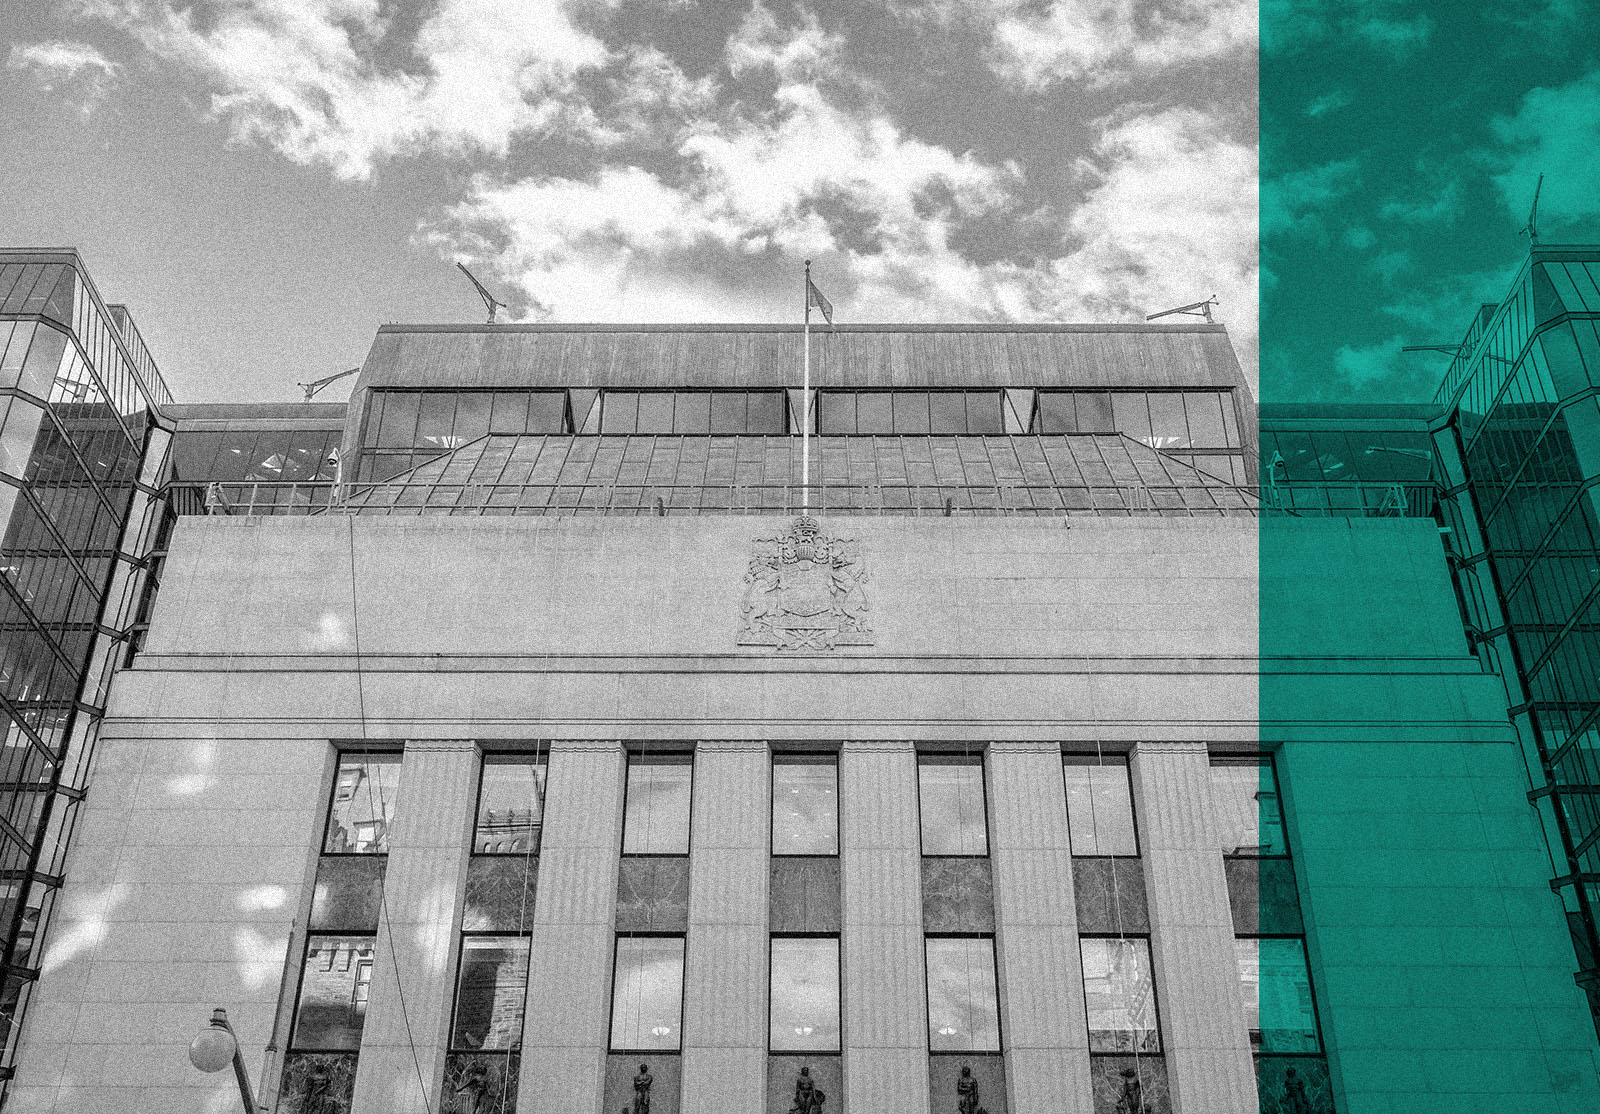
column 1078, row 473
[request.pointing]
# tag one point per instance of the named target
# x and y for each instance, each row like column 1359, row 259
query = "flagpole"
column 805, row 403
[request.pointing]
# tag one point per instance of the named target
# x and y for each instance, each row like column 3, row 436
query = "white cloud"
column 305, row 76
column 1554, row 132
column 1106, row 40
column 68, row 67
column 1363, row 366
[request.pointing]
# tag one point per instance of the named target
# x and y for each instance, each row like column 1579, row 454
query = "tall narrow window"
column 954, row 819
column 510, row 806
column 1249, row 818
column 804, row 999
column 647, row 994
column 805, row 806
column 1277, row 994
column 491, row 992
column 362, row 809
column 331, row 1007
column 963, row 1003
column 1099, row 805
column 1119, row 991
column 656, row 818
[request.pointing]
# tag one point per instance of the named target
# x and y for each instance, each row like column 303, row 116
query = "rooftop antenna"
column 490, row 302
column 1532, row 229
column 316, row 385
column 1193, row 309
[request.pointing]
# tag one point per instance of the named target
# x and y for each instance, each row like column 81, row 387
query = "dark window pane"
column 193, row 454
column 235, row 457
column 547, row 412
column 510, row 807
column 1169, row 429
column 1130, row 415
column 963, row 1005
column 585, row 403
column 1094, row 412
column 910, row 411
column 655, row 412
column 872, row 412
column 647, row 994
column 954, row 820
column 436, row 420
column 399, row 428
column 362, row 807
column 491, row 993
column 1120, row 992
column 332, row 1007
column 509, row 413
column 838, row 412
column 1249, row 820
column 1277, row 995
column 1230, row 420
column 1099, row 807
column 728, row 412
column 472, row 417
column 805, row 807
column 1205, row 419
column 983, row 412
column 693, row 412
column 1019, row 410
column 765, row 412
column 1056, row 412
column 804, row 999
column 947, row 412
column 619, row 412
column 656, row 820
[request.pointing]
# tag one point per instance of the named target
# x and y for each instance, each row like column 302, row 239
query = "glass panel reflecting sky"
column 362, row 809
column 805, row 995
column 491, row 992
column 657, row 816
column 963, row 1005
column 954, row 821
column 1099, row 807
column 332, row 1007
column 805, row 807
column 1120, row 992
column 1277, row 994
column 1249, row 821
column 647, row 994
column 510, row 807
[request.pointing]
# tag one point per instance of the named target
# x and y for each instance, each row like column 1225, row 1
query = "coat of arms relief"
column 805, row 590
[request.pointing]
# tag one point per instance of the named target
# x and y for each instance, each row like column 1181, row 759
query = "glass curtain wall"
column 80, row 463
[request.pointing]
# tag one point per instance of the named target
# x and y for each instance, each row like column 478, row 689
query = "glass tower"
column 80, row 510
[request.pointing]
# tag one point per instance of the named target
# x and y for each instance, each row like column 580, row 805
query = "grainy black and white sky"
column 267, row 181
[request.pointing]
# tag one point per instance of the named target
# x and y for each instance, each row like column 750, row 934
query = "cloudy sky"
column 1401, row 143
column 267, row 181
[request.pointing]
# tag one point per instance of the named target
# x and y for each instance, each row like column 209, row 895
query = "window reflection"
column 805, row 806
column 362, row 808
column 1099, row 806
column 1277, row 994
column 804, row 998
column 1249, row 819
column 647, row 994
column 656, row 819
column 510, row 807
column 963, row 1004
column 954, row 821
column 491, row 992
column 911, row 413
column 1119, row 990
column 1161, row 419
column 692, row 412
column 334, row 983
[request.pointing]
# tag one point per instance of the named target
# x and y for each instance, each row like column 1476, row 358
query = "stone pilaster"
column 725, row 1002
column 1191, row 932
column 413, row 967
column 885, row 1000
column 565, row 1032
column 1036, row 931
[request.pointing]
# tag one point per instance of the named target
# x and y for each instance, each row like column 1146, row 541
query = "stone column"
column 1036, row 931
column 885, row 997
column 1191, row 932
column 565, row 1032
column 413, row 963
column 725, row 993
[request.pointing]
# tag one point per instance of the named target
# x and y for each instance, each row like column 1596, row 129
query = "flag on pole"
column 814, row 297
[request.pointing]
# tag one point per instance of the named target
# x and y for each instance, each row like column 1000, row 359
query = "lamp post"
column 215, row 1048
